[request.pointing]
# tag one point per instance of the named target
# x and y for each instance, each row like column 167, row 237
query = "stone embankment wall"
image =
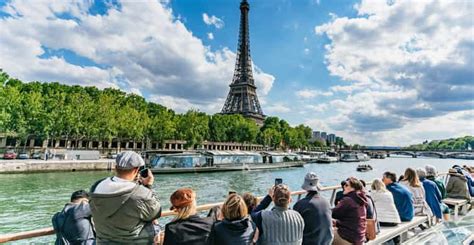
column 34, row 166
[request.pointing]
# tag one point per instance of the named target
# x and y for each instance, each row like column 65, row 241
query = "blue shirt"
column 432, row 196
column 403, row 201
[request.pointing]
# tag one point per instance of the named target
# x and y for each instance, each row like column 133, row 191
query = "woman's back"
column 193, row 230
column 232, row 232
column 419, row 199
column 385, row 206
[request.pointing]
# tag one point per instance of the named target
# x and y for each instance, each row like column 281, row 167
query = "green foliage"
column 55, row 111
column 447, row 144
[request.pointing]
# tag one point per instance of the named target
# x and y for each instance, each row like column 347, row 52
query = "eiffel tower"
column 242, row 97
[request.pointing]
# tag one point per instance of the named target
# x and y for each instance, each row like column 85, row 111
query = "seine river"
column 28, row 201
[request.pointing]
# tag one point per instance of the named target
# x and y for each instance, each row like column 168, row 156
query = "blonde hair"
column 234, row 208
column 186, row 211
column 378, row 185
column 412, row 178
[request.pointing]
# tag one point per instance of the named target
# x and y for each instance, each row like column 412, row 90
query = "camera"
column 143, row 172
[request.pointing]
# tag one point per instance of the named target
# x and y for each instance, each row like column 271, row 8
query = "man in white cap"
column 123, row 206
column 316, row 212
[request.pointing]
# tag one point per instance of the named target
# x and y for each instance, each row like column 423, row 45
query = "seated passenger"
column 280, row 225
column 470, row 180
column 387, row 214
column 412, row 182
column 401, row 195
column 187, row 227
column 457, row 185
column 236, row 228
column 350, row 214
column 316, row 212
column 432, row 194
column 431, row 174
column 73, row 224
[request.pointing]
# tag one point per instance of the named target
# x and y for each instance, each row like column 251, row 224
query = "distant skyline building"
column 242, row 98
column 331, row 138
column 316, row 135
column 324, row 136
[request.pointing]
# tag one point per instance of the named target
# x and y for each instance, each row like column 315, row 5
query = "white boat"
column 326, row 159
column 349, row 157
column 216, row 161
column 362, row 157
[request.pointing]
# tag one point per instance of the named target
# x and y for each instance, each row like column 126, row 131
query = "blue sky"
column 375, row 72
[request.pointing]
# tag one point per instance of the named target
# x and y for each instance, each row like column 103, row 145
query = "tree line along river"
column 28, row 201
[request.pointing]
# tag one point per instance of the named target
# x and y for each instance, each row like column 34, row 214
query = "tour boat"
column 215, row 161
column 349, row 157
column 326, row 159
column 362, row 157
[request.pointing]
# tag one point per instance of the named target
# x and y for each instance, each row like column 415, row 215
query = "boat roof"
column 278, row 153
column 184, row 154
column 232, row 153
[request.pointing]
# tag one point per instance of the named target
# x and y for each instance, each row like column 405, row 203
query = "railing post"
column 333, row 197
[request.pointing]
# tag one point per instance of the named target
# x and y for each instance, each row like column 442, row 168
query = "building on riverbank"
column 10, row 141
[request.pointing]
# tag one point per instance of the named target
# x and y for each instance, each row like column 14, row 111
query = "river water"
column 28, row 201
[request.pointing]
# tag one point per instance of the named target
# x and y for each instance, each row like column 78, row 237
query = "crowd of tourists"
column 123, row 209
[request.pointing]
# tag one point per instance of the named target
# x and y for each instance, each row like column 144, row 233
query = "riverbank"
column 38, row 166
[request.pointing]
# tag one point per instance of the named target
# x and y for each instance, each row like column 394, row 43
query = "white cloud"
column 277, row 108
column 306, row 51
column 311, row 93
column 317, row 108
column 138, row 47
column 210, row 36
column 212, row 20
column 407, row 64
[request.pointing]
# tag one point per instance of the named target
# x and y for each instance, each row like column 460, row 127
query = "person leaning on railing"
column 350, row 215
column 316, row 212
column 123, row 210
column 280, row 225
column 187, row 227
column 237, row 227
column 73, row 225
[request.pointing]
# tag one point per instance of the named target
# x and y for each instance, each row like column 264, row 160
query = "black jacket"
column 316, row 213
column 73, row 224
column 232, row 232
column 193, row 230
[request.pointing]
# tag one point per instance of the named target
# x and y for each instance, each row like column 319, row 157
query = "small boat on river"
column 364, row 168
column 216, row 161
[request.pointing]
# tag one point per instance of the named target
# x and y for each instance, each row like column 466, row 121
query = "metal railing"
column 50, row 230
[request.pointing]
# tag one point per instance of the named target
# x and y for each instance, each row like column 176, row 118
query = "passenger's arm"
column 150, row 208
column 266, row 201
column 341, row 209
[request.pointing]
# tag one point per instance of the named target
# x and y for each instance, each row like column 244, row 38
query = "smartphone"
column 278, row 181
column 144, row 172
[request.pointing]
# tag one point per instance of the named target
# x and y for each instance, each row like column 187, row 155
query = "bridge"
column 388, row 150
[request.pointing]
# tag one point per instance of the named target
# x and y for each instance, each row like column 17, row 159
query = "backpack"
column 58, row 223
